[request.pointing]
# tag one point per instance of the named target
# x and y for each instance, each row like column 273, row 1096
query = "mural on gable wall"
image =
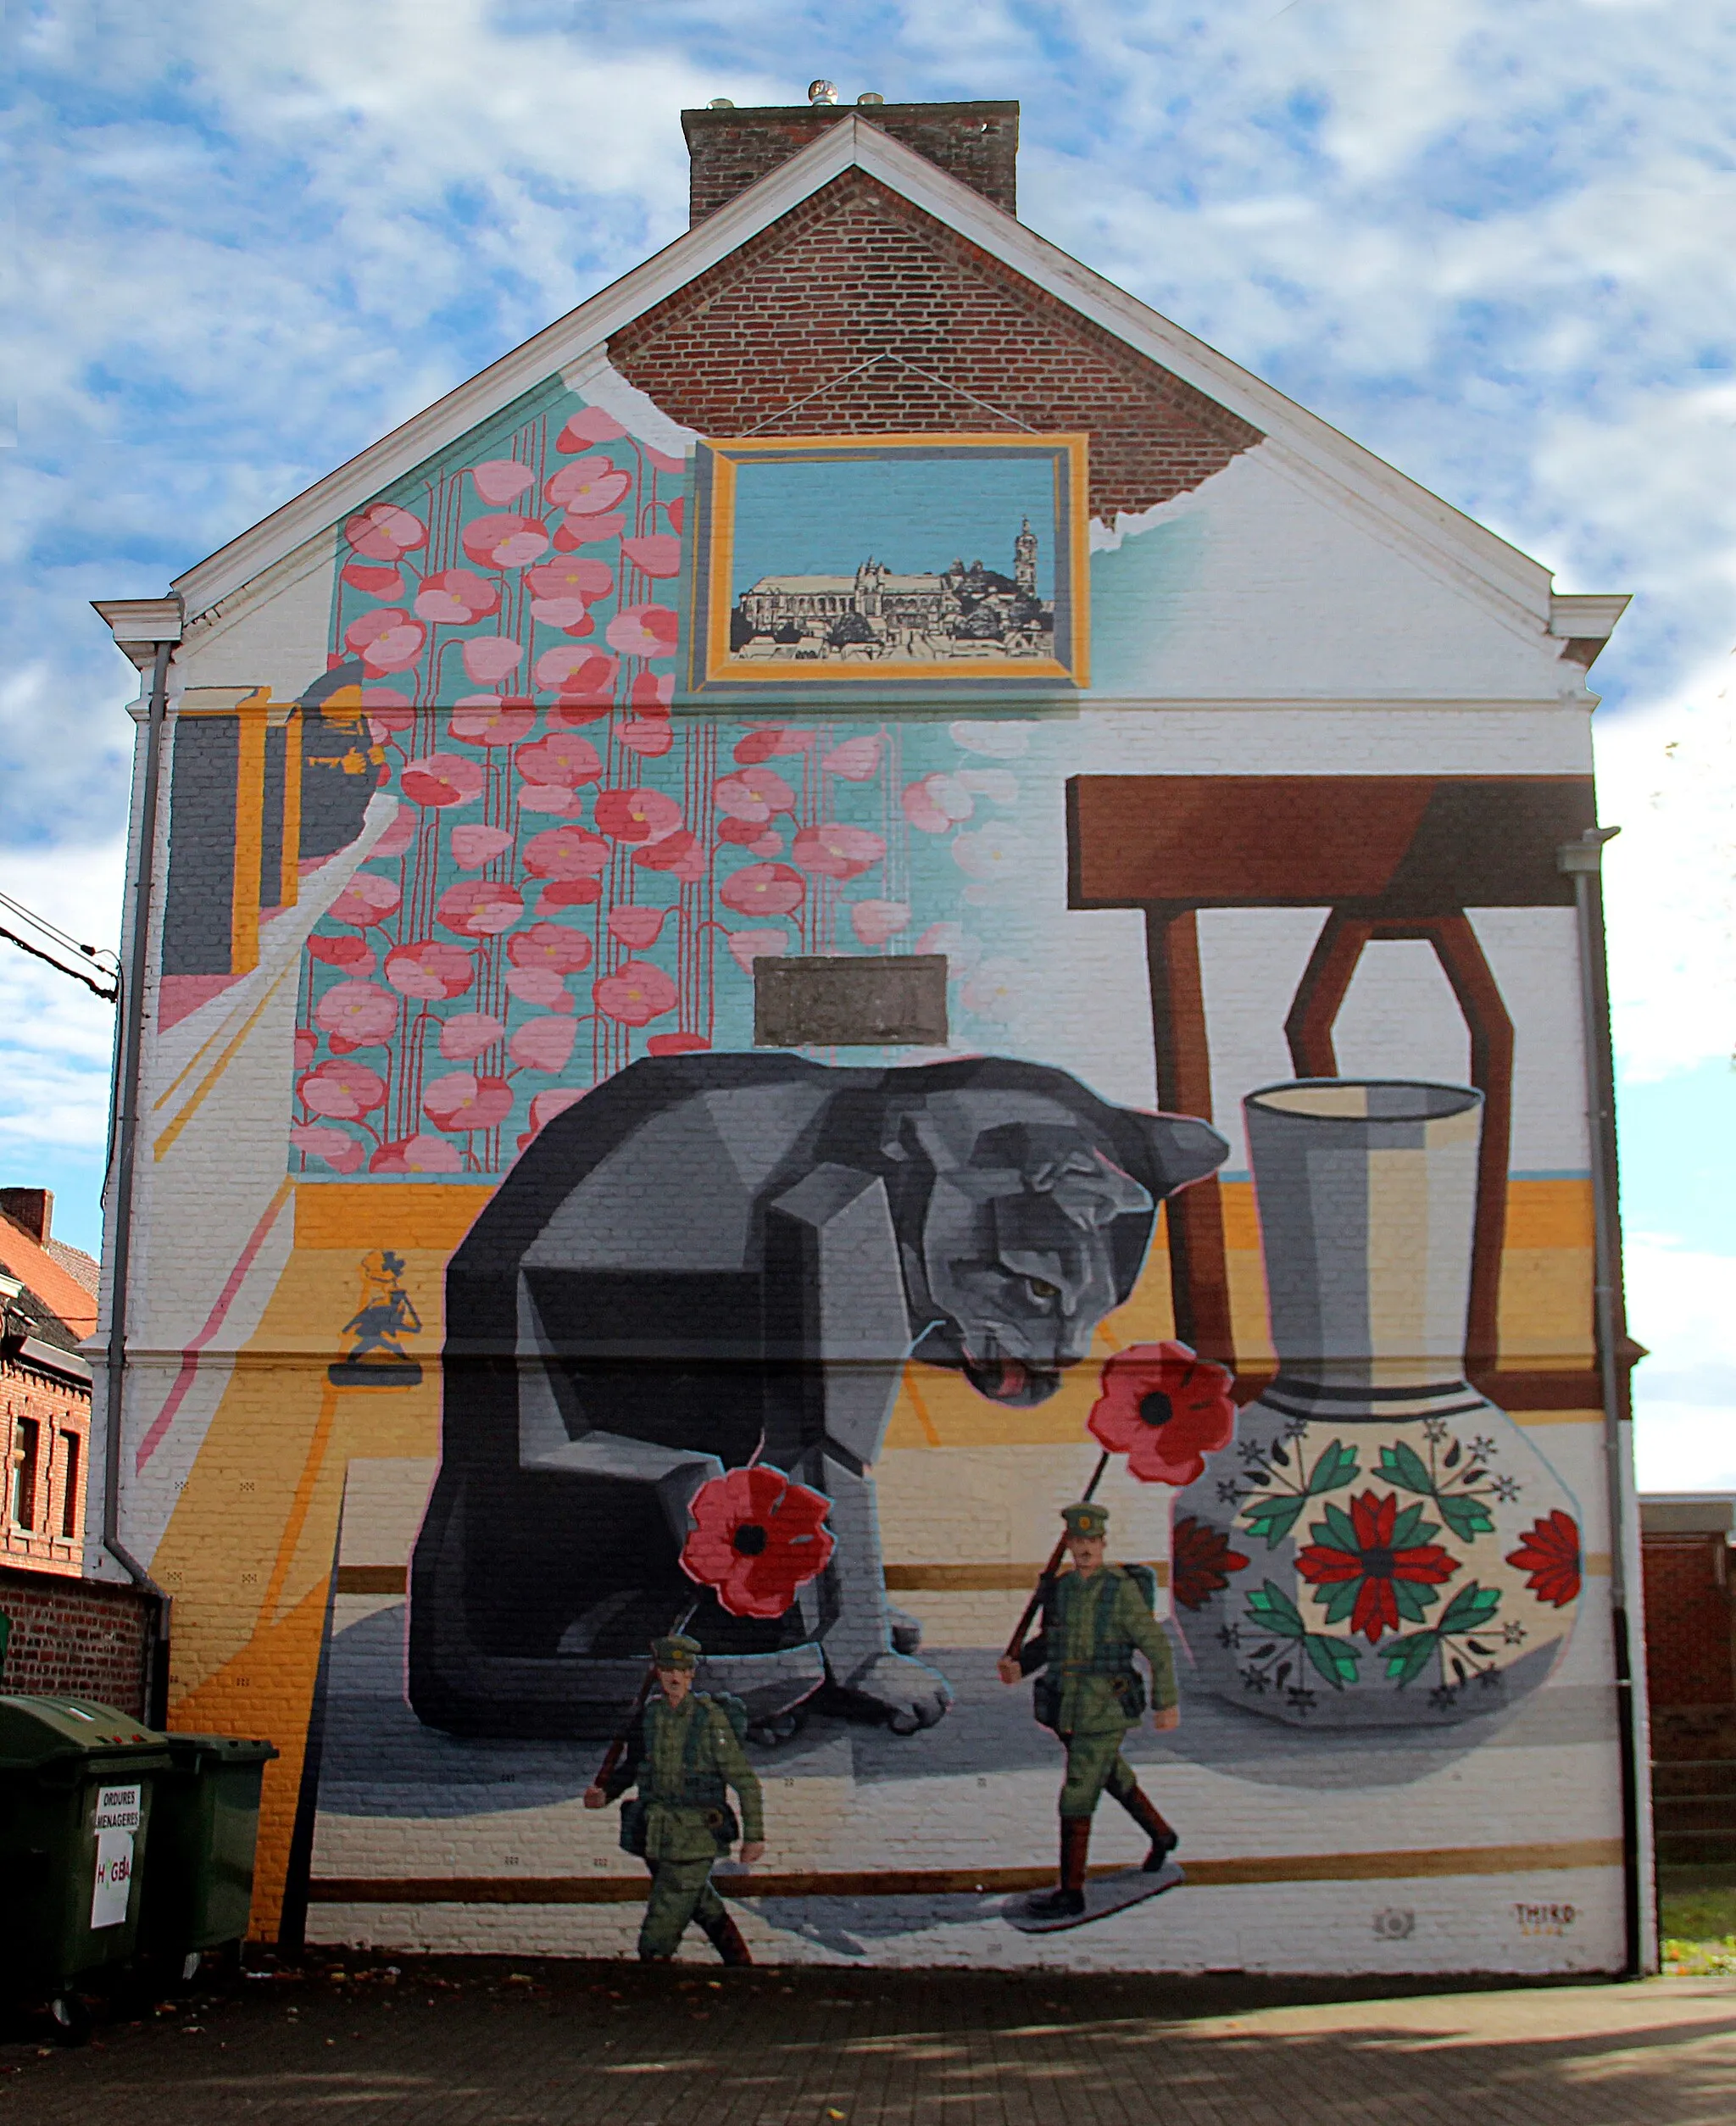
column 798, row 1356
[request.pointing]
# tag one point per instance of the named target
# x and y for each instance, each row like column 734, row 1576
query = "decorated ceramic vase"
column 1380, row 1545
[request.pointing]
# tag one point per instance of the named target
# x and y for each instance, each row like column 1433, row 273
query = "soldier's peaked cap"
column 1086, row 1518
column 676, row 1651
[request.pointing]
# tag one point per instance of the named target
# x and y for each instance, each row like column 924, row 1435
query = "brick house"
column 632, row 1113
column 50, row 1292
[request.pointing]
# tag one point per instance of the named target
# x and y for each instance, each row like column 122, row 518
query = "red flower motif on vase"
column 1373, row 1565
column 1549, row 1551
column 1201, row 1562
column 1164, row 1409
column 757, row 1539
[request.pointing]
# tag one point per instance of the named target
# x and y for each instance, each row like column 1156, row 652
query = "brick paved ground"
column 449, row 2042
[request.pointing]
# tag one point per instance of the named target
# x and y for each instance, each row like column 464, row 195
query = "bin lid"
column 41, row 1730
column 198, row 1752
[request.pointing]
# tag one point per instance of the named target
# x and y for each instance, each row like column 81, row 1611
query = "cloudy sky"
column 1492, row 243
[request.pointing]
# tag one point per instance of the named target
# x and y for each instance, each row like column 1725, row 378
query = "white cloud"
column 1667, row 777
column 1680, row 1302
column 56, row 1036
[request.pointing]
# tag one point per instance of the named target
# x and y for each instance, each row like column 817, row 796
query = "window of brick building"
column 68, row 1484
column 26, row 1446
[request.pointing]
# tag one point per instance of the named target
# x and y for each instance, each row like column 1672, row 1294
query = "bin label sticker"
column 117, row 1808
column 114, row 1878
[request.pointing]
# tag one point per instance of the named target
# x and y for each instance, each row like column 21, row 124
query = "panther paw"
column 907, row 1695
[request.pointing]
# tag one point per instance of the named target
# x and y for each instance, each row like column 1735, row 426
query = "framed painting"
column 890, row 561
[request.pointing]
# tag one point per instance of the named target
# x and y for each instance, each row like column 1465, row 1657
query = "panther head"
column 1033, row 1225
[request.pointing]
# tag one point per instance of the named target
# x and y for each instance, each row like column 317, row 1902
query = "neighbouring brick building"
column 66, row 1634
column 643, row 1104
column 50, row 1297
column 1690, row 1659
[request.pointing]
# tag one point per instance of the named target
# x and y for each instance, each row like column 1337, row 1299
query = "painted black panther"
column 715, row 1256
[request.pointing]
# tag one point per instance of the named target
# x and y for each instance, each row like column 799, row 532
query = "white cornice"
column 1463, row 546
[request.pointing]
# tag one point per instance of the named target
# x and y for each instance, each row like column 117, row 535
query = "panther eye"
column 1039, row 1290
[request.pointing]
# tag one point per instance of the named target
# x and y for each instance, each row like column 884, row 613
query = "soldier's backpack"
column 702, row 1790
column 1126, row 1681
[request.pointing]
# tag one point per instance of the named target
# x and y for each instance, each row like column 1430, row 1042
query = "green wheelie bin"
column 198, row 1876
column 76, row 1781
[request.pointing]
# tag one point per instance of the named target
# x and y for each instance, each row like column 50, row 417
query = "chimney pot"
column 822, row 92
column 32, row 1208
column 731, row 149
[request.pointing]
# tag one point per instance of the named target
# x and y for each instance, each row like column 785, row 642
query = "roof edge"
column 855, row 141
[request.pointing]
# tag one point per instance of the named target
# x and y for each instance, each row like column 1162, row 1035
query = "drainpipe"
column 1582, row 862
column 124, row 1139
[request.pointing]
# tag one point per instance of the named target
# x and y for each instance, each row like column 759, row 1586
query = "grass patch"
column 1697, row 1919
column 1698, row 1903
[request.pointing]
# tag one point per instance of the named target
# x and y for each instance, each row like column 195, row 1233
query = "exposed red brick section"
column 1688, row 1619
column 75, row 1638
column 767, row 339
column 977, row 143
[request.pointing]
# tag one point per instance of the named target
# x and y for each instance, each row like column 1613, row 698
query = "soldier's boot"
column 1067, row 1901
column 725, row 1938
column 1164, row 1836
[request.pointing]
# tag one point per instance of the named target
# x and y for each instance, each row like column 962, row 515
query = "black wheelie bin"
column 76, row 1781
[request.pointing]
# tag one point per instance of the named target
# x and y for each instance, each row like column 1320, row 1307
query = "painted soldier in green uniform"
column 684, row 1752
column 1094, row 1618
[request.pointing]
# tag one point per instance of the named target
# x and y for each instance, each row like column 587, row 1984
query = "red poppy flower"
column 1550, row 1552
column 635, row 994
column 567, row 853
column 756, row 1538
column 1201, row 1562
column 1165, row 1410
column 1373, row 1566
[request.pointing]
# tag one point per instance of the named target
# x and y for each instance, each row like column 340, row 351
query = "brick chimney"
column 32, row 1208
column 977, row 143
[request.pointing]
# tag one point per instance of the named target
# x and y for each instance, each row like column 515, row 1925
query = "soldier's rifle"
column 623, row 1734
column 1016, row 1645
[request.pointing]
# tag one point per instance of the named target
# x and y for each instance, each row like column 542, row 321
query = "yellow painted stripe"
column 249, row 835
column 438, row 1214
column 172, row 1129
column 980, row 1579
column 1540, row 1214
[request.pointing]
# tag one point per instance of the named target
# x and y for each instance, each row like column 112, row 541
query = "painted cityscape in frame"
column 891, row 558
